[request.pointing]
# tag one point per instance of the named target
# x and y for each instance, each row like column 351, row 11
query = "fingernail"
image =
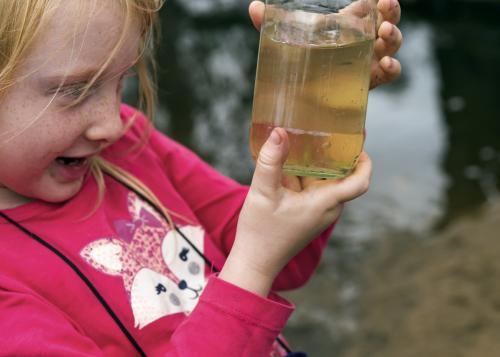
column 275, row 138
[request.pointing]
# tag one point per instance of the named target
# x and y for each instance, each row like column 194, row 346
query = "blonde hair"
column 22, row 21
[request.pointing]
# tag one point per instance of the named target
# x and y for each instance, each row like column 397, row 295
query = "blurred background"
column 412, row 268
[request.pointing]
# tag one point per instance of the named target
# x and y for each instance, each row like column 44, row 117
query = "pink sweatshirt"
column 162, row 291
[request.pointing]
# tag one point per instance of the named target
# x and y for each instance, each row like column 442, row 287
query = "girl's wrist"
column 237, row 272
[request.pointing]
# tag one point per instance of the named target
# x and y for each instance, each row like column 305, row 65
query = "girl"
column 114, row 239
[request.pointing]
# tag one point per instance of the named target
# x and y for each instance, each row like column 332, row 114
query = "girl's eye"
column 76, row 91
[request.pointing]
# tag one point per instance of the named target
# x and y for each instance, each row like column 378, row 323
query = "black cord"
column 82, row 277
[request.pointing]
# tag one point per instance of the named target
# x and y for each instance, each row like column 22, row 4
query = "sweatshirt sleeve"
column 230, row 321
column 227, row 321
column 31, row 327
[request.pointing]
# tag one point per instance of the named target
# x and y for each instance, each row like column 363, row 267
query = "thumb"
column 272, row 156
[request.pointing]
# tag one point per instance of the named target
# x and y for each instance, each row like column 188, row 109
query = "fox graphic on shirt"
column 161, row 272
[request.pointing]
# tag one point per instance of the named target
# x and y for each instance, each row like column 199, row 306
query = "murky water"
column 433, row 136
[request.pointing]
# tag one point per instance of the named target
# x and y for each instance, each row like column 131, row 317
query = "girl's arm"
column 227, row 321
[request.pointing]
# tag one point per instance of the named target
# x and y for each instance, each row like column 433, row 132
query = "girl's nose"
column 107, row 127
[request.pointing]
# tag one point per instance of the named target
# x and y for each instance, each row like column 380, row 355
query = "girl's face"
column 45, row 146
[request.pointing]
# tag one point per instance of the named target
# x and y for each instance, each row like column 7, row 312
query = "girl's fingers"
column 390, row 10
column 334, row 192
column 384, row 71
column 354, row 185
column 389, row 40
column 256, row 11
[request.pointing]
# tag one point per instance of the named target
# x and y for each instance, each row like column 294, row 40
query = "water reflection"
column 207, row 78
column 220, row 63
column 469, row 57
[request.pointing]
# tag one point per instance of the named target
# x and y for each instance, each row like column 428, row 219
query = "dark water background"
column 433, row 136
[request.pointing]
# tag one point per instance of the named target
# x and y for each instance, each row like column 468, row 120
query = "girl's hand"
column 385, row 68
column 282, row 214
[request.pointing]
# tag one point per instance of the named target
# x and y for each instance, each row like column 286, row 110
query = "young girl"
column 114, row 239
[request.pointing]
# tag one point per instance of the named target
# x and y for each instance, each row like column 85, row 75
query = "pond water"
column 433, row 137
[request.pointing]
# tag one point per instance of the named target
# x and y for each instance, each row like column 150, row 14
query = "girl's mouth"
column 71, row 161
column 70, row 169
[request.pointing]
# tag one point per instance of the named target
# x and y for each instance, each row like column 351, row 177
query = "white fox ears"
column 105, row 255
